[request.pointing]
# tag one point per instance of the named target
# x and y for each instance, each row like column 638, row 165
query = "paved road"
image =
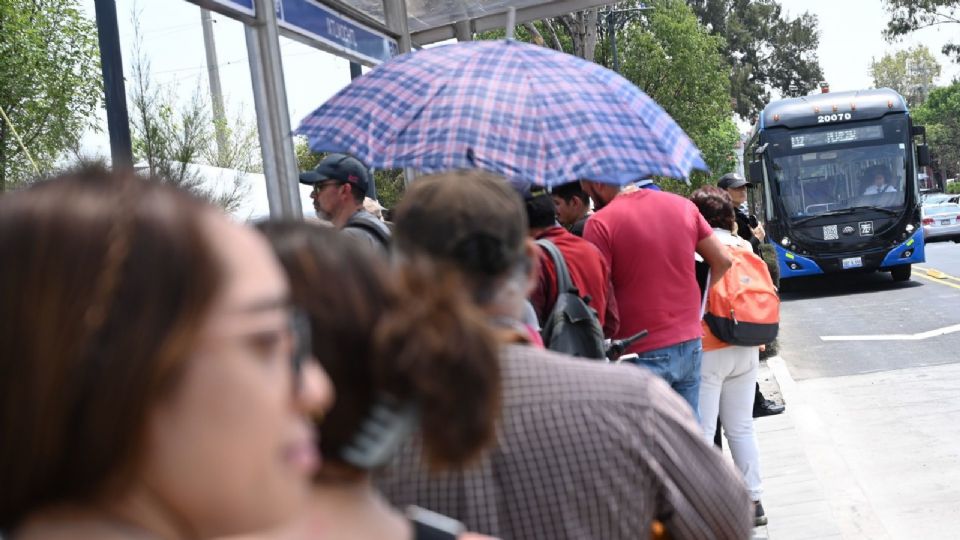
column 872, row 304
column 870, row 444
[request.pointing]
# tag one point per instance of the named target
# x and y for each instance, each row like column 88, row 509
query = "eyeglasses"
column 320, row 186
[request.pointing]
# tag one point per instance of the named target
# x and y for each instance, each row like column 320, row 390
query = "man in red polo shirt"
column 649, row 238
column 589, row 272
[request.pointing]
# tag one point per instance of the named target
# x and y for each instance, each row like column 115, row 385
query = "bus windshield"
column 839, row 169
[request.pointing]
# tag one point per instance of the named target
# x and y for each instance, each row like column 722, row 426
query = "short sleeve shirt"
column 649, row 239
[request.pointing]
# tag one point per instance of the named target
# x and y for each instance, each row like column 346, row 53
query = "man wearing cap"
column 340, row 183
column 736, row 186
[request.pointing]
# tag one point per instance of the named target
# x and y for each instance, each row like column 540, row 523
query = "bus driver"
column 880, row 184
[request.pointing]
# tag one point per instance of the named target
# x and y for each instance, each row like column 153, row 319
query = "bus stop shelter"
column 367, row 32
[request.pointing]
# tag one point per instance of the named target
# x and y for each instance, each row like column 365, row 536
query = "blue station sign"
column 314, row 22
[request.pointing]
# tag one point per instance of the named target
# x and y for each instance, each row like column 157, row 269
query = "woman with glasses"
column 150, row 385
column 409, row 357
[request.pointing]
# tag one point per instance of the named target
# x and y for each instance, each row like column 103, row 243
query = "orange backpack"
column 743, row 307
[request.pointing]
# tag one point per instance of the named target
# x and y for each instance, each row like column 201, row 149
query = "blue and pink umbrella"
column 528, row 113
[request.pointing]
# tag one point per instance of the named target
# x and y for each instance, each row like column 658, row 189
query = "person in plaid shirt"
column 585, row 450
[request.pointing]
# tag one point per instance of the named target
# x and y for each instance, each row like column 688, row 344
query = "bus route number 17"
column 833, row 117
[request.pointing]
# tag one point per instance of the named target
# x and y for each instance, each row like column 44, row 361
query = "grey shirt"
column 585, row 450
column 361, row 226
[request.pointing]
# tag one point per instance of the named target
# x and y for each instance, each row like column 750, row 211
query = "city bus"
column 838, row 193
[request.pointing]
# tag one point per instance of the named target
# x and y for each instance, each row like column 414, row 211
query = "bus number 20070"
column 833, row 117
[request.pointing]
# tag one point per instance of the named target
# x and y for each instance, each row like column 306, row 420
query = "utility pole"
column 111, row 61
column 216, row 91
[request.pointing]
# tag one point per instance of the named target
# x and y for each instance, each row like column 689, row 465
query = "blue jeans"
column 679, row 365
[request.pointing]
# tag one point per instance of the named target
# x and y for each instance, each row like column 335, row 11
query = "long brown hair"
column 414, row 335
column 104, row 280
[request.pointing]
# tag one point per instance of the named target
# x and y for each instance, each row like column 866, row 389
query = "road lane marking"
column 937, row 276
column 896, row 337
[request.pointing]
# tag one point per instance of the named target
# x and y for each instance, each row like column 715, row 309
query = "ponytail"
column 434, row 347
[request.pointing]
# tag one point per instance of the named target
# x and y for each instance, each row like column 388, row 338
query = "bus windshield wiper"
column 844, row 211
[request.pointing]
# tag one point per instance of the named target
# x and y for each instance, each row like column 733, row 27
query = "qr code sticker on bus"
column 830, row 232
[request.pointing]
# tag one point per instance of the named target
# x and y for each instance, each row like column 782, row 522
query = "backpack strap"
column 564, row 283
column 371, row 228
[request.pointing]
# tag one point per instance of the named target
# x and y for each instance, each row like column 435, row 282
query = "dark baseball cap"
column 340, row 167
column 732, row 180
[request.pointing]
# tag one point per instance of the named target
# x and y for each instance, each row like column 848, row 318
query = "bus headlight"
column 785, row 242
column 909, row 228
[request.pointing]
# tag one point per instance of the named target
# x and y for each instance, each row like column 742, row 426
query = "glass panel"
column 425, row 14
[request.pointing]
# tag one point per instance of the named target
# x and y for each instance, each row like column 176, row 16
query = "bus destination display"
column 823, row 138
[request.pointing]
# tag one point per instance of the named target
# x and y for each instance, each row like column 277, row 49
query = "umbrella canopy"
column 526, row 112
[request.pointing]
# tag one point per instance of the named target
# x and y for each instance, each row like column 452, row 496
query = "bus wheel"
column 901, row 273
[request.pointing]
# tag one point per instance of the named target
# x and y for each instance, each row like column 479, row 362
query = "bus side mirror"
column 923, row 155
column 756, row 172
column 917, row 131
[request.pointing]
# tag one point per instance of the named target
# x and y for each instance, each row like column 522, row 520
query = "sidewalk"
column 794, row 497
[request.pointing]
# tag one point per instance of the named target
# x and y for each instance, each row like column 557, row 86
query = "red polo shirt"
column 648, row 239
column 589, row 272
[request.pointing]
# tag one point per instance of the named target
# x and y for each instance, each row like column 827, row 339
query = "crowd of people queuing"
column 169, row 373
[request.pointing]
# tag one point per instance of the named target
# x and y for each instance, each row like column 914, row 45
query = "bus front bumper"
column 909, row 251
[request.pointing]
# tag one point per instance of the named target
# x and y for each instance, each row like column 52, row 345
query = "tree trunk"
column 554, row 38
column 3, row 157
column 589, row 34
column 537, row 37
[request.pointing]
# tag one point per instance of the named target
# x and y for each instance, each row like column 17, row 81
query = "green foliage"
column 910, row 72
column 172, row 138
column 50, row 83
column 907, row 16
column 940, row 113
column 390, row 182
column 953, row 187
column 673, row 58
column 763, row 49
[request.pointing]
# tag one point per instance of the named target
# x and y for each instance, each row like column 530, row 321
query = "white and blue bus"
column 838, row 173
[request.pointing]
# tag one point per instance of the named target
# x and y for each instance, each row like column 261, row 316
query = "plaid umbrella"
column 525, row 112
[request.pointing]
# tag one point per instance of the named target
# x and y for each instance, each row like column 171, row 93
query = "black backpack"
column 572, row 327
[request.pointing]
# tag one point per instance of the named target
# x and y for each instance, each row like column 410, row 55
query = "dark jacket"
column 745, row 231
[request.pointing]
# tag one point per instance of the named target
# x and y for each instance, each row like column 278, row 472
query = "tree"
column 763, row 48
column 940, row 113
column 171, row 138
column 669, row 55
column 907, row 16
column 910, row 72
column 50, row 84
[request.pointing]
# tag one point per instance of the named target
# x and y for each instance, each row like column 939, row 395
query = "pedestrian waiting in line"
column 150, row 384
column 589, row 272
column 751, row 230
column 340, row 184
column 729, row 371
column 410, row 357
column 584, row 449
column 649, row 238
column 573, row 206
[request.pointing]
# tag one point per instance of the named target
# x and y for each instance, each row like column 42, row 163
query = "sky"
column 850, row 38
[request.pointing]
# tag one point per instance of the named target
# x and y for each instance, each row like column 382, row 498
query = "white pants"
column 727, row 379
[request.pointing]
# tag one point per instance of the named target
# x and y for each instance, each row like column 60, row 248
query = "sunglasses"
column 320, row 186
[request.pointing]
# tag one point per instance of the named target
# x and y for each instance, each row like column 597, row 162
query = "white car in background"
column 941, row 221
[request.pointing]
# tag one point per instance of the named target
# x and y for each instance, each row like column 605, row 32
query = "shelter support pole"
column 273, row 114
column 111, row 62
column 395, row 16
column 462, row 29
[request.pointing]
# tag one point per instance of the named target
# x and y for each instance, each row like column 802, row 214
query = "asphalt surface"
column 846, row 306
